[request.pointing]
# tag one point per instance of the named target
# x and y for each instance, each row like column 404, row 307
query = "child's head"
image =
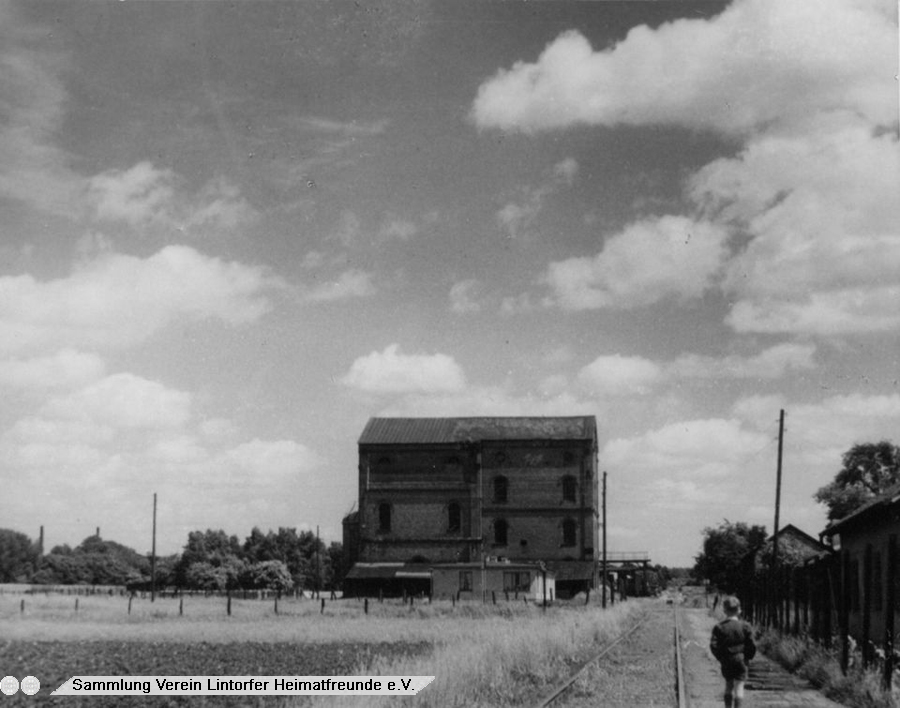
column 731, row 606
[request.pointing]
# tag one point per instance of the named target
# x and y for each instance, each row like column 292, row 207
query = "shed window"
column 516, row 582
column 569, row 488
column 454, row 517
column 501, row 532
column 384, row 517
column 569, row 533
column 501, row 489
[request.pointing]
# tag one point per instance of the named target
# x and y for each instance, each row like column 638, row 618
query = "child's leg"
column 729, row 693
column 738, row 693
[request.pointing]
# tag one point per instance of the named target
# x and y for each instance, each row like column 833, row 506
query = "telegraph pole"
column 153, row 556
column 778, row 490
column 603, row 573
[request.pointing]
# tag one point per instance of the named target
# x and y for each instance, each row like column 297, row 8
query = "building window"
column 454, row 517
column 384, row 517
column 501, row 532
column 501, row 489
column 465, row 581
column 516, row 581
column 569, row 533
column 569, row 487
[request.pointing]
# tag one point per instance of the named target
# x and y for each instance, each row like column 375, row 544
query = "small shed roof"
column 381, row 431
column 890, row 496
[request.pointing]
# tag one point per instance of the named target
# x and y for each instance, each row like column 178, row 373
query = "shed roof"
column 890, row 496
column 459, row 430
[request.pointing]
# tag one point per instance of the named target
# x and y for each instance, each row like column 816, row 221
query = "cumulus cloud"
column 392, row 372
column 462, row 297
column 809, row 90
column 33, row 169
column 771, row 363
column 757, row 63
column 65, row 369
column 620, row 375
column 517, row 217
column 144, row 195
column 648, row 261
column 691, row 449
column 124, row 401
column 350, row 283
column 120, row 301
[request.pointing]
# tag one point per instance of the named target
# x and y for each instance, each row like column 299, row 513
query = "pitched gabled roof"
column 460, row 430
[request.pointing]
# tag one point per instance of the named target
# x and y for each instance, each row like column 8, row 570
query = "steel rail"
column 680, row 686
column 565, row 685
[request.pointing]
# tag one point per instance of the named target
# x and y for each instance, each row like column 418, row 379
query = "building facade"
column 477, row 490
column 866, row 543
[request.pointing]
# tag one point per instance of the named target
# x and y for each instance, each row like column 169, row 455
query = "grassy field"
column 503, row 655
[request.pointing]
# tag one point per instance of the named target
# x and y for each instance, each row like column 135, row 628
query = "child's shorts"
column 734, row 668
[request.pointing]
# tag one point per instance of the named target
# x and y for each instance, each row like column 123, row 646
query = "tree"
column 724, row 550
column 93, row 562
column 215, row 548
column 868, row 470
column 18, row 557
column 268, row 575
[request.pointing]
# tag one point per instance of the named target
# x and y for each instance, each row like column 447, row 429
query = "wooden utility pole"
column 603, row 562
column 153, row 556
column 318, row 566
column 778, row 491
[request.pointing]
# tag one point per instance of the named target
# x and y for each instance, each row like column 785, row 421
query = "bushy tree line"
column 211, row 560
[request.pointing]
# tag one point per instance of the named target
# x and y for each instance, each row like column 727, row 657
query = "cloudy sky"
column 231, row 233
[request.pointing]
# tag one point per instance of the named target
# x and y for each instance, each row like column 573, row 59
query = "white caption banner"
column 243, row 685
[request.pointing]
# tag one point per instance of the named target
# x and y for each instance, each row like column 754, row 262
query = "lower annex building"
column 512, row 497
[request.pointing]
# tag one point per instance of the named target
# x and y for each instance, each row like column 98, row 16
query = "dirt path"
column 769, row 686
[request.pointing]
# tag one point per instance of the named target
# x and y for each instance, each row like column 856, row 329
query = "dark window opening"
column 465, row 580
column 501, row 489
column 569, row 488
column 516, row 582
column 454, row 517
column 501, row 531
column 569, row 533
column 384, row 517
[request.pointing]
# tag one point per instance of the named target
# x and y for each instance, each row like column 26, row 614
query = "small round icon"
column 9, row 685
column 30, row 685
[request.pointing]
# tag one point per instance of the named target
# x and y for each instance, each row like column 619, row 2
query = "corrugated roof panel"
column 455, row 430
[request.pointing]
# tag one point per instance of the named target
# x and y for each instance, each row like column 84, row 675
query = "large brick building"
column 474, row 490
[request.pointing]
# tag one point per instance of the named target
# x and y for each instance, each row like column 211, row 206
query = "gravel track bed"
column 640, row 671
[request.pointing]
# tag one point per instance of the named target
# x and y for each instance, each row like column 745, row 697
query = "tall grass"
column 496, row 661
column 859, row 688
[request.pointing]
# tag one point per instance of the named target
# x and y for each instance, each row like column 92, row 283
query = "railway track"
column 654, row 654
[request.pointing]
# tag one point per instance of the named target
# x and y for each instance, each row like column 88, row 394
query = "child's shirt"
column 730, row 637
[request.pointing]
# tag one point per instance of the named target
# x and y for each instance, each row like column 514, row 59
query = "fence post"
column 181, row 606
column 322, row 610
column 866, row 640
column 845, row 611
column 890, row 606
column 228, row 595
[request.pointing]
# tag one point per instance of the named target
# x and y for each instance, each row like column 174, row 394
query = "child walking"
column 732, row 644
